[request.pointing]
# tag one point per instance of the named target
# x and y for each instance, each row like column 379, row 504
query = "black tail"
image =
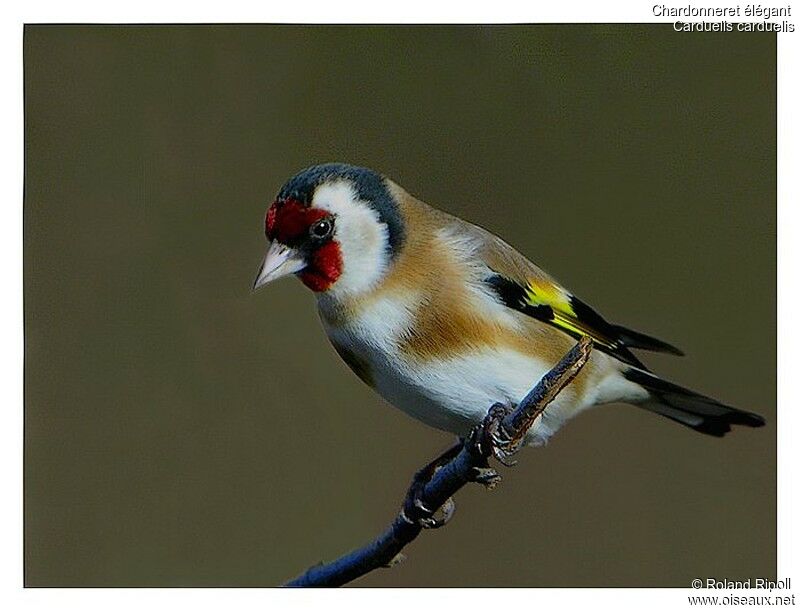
column 634, row 339
column 701, row 413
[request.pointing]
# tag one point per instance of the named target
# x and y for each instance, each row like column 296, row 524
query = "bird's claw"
column 497, row 441
column 414, row 510
column 503, row 455
column 486, row 476
column 430, row 520
column 417, row 513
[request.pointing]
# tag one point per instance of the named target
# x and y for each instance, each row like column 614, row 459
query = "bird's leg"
column 490, row 438
column 414, row 509
column 494, row 439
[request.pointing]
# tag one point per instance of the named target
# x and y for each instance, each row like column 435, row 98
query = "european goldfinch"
column 444, row 319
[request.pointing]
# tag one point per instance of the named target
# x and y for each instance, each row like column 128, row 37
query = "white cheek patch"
column 363, row 239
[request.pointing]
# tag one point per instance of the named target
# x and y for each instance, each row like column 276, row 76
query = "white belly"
column 454, row 394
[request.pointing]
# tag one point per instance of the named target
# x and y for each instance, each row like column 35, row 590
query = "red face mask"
column 289, row 223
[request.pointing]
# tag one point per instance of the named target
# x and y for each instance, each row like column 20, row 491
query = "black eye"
column 321, row 229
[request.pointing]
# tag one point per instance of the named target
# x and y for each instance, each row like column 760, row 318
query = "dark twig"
column 501, row 434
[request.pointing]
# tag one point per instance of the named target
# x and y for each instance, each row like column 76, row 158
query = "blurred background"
column 183, row 431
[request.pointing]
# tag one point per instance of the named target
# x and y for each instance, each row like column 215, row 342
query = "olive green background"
column 183, row 431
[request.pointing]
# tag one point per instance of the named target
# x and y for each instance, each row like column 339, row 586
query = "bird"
column 444, row 319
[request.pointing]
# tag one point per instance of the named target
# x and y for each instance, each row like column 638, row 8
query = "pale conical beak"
column 279, row 261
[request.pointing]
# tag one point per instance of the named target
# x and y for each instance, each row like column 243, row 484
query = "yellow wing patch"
column 541, row 293
column 548, row 302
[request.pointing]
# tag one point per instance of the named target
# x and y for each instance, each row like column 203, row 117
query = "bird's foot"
column 495, row 439
column 415, row 509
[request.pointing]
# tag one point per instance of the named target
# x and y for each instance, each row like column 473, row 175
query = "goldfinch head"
column 335, row 226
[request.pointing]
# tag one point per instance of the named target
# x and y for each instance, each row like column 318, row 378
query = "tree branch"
column 501, row 434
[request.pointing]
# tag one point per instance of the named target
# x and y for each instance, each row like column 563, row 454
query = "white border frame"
column 13, row 596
